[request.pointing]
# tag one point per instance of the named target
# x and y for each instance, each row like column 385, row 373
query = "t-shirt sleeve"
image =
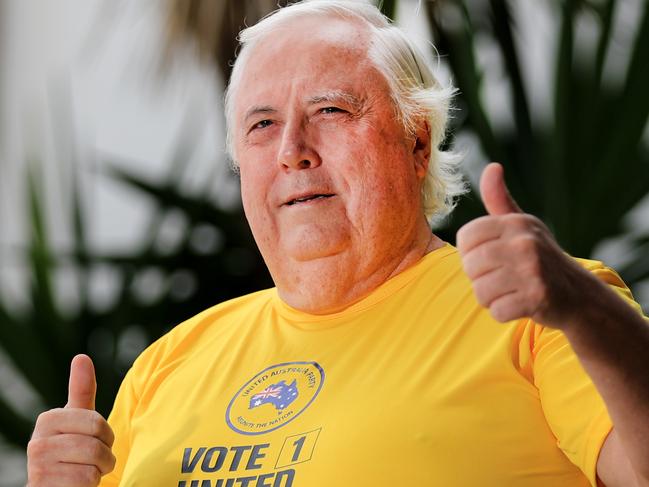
column 573, row 408
column 120, row 421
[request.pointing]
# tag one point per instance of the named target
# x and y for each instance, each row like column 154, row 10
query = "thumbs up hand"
column 82, row 386
column 516, row 266
column 71, row 446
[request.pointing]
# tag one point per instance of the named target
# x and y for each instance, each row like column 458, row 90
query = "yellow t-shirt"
column 414, row 385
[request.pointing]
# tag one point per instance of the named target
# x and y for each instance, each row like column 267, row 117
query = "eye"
column 261, row 125
column 331, row 110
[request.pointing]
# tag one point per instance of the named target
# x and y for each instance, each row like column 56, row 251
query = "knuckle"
column 36, row 447
column 507, row 308
column 86, row 475
column 46, row 417
column 496, row 313
column 460, row 238
column 112, row 461
column 96, row 424
column 485, row 252
column 500, row 313
column 480, row 293
column 537, row 293
column 512, row 220
column 467, row 233
column 525, row 245
column 96, row 449
column 531, row 270
column 521, row 221
column 469, row 268
column 481, row 259
column 110, row 435
column 466, row 260
column 40, row 419
column 91, row 475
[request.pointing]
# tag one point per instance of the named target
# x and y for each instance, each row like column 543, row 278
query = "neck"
column 332, row 284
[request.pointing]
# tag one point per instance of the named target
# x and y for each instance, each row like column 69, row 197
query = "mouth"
column 307, row 198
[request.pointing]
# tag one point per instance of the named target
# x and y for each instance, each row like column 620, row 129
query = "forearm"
column 612, row 342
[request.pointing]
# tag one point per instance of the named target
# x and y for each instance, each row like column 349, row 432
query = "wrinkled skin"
column 320, row 121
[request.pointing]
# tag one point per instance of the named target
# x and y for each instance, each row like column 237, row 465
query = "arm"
column 612, row 342
column 518, row 270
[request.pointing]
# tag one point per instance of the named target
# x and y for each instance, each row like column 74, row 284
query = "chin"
column 314, row 241
column 306, row 251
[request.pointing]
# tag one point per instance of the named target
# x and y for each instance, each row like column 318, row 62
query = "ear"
column 421, row 149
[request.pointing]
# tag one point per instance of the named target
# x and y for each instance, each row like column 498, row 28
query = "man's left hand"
column 516, row 266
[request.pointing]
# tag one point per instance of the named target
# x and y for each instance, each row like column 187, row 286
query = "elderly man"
column 378, row 359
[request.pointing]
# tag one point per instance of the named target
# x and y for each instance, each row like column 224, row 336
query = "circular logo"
column 274, row 397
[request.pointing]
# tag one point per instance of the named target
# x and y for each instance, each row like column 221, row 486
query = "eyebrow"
column 329, row 96
column 336, row 96
column 257, row 109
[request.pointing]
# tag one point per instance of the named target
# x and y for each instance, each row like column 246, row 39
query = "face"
column 328, row 175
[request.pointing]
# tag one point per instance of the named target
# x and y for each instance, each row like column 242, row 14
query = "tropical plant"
column 586, row 168
column 583, row 170
column 157, row 287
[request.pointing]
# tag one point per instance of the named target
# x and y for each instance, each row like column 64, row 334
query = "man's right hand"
column 71, row 446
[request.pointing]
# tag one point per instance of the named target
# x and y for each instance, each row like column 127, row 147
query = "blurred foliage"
column 581, row 172
column 157, row 287
column 195, row 20
column 214, row 26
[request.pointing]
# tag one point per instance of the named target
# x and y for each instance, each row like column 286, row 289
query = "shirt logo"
column 274, row 397
column 279, row 395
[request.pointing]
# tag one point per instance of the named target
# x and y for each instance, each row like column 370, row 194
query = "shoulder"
column 611, row 278
column 203, row 329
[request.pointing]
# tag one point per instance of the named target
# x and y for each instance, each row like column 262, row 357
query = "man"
column 378, row 359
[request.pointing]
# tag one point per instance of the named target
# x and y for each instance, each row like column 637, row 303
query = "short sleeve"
column 120, row 421
column 572, row 405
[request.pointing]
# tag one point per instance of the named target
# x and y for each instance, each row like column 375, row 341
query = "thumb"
column 82, row 386
column 495, row 195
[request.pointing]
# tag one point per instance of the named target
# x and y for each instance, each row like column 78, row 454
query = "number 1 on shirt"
column 297, row 448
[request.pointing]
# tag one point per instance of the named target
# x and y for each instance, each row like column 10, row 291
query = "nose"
column 295, row 152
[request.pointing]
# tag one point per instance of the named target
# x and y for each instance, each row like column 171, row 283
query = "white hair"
column 415, row 92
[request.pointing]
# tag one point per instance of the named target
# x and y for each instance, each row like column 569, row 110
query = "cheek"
column 254, row 192
column 386, row 172
column 247, row 187
column 389, row 192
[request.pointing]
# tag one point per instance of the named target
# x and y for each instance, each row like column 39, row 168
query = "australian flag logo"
column 279, row 395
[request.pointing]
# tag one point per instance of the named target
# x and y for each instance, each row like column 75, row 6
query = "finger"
column 82, row 386
column 484, row 258
column 478, row 232
column 64, row 475
column 493, row 286
column 495, row 195
column 509, row 307
column 76, row 421
column 85, row 450
column 77, row 449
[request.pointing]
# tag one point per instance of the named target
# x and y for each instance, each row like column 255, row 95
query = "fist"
column 516, row 267
column 71, row 446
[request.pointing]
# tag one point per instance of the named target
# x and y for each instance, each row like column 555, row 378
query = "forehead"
column 310, row 56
